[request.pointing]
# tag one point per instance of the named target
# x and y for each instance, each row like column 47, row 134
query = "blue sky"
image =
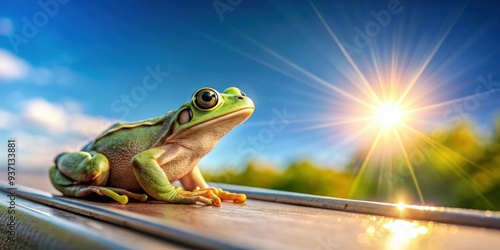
column 65, row 68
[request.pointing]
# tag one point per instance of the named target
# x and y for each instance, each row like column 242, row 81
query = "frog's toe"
column 206, row 197
column 225, row 195
column 240, row 198
column 141, row 197
column 122, row 199
column 135, row 196
column 205, row 201
column 237, row 198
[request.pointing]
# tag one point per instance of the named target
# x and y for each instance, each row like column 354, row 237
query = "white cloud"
column 44, row 129
column 39, row 151
column 63, row 118
column 88, row 126
column 7, row 119
column 39, row 112
column 12, row 67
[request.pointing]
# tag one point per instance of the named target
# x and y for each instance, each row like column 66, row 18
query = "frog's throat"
column 219, row 126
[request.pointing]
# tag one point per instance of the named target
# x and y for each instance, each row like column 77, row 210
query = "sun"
column 388, row 115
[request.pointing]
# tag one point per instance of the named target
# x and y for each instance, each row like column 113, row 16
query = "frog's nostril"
column 239, row 97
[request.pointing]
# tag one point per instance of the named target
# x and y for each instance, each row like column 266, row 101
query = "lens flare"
column 382, row 98
column 388, row 115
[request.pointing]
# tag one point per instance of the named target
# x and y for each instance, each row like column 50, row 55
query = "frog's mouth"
column 212, row 130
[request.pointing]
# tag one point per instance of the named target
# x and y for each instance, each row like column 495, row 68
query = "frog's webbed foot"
column 195, row 181
column 207, row 197
column 224, row 195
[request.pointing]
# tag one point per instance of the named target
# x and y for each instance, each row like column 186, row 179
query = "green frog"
column 134, row 160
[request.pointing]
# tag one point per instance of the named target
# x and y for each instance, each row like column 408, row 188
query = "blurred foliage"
column 455, row 168
column 302, row 177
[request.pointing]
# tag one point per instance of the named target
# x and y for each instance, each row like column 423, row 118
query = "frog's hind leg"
column 69, row 188
column 79, row 174
column 82, row 166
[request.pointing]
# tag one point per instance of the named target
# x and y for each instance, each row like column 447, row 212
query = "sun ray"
column 379, row 182
column 383, row 164
column 430, row 57
column 426, row 137
column 346, row 54
column 476, row 187
column 321, row 81
column 363, row 165
column 394, row 75
column 356, row 135
column 217, row 41
column 442, row 82
column 410, row 167
column 390, row 166
column 459, row 51
column 317, row 79
column 445, row 103
column 336, row 122
column 346, row 139
column 305, row 72
column 379, row 77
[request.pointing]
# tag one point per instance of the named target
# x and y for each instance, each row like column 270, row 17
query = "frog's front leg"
column 152, row 178
column 194, row 181
column 80, row 174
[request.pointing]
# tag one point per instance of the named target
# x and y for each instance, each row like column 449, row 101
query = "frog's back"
column 121, row 143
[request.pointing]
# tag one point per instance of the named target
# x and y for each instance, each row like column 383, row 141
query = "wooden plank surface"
column 271, row 225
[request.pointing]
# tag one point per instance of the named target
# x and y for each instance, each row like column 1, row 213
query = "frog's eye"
column 185, row 116
column 206, row 98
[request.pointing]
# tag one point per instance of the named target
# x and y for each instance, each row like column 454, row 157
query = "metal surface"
column 467, row 217
column 274, row 225
column 43, row 227
column 169, row 230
